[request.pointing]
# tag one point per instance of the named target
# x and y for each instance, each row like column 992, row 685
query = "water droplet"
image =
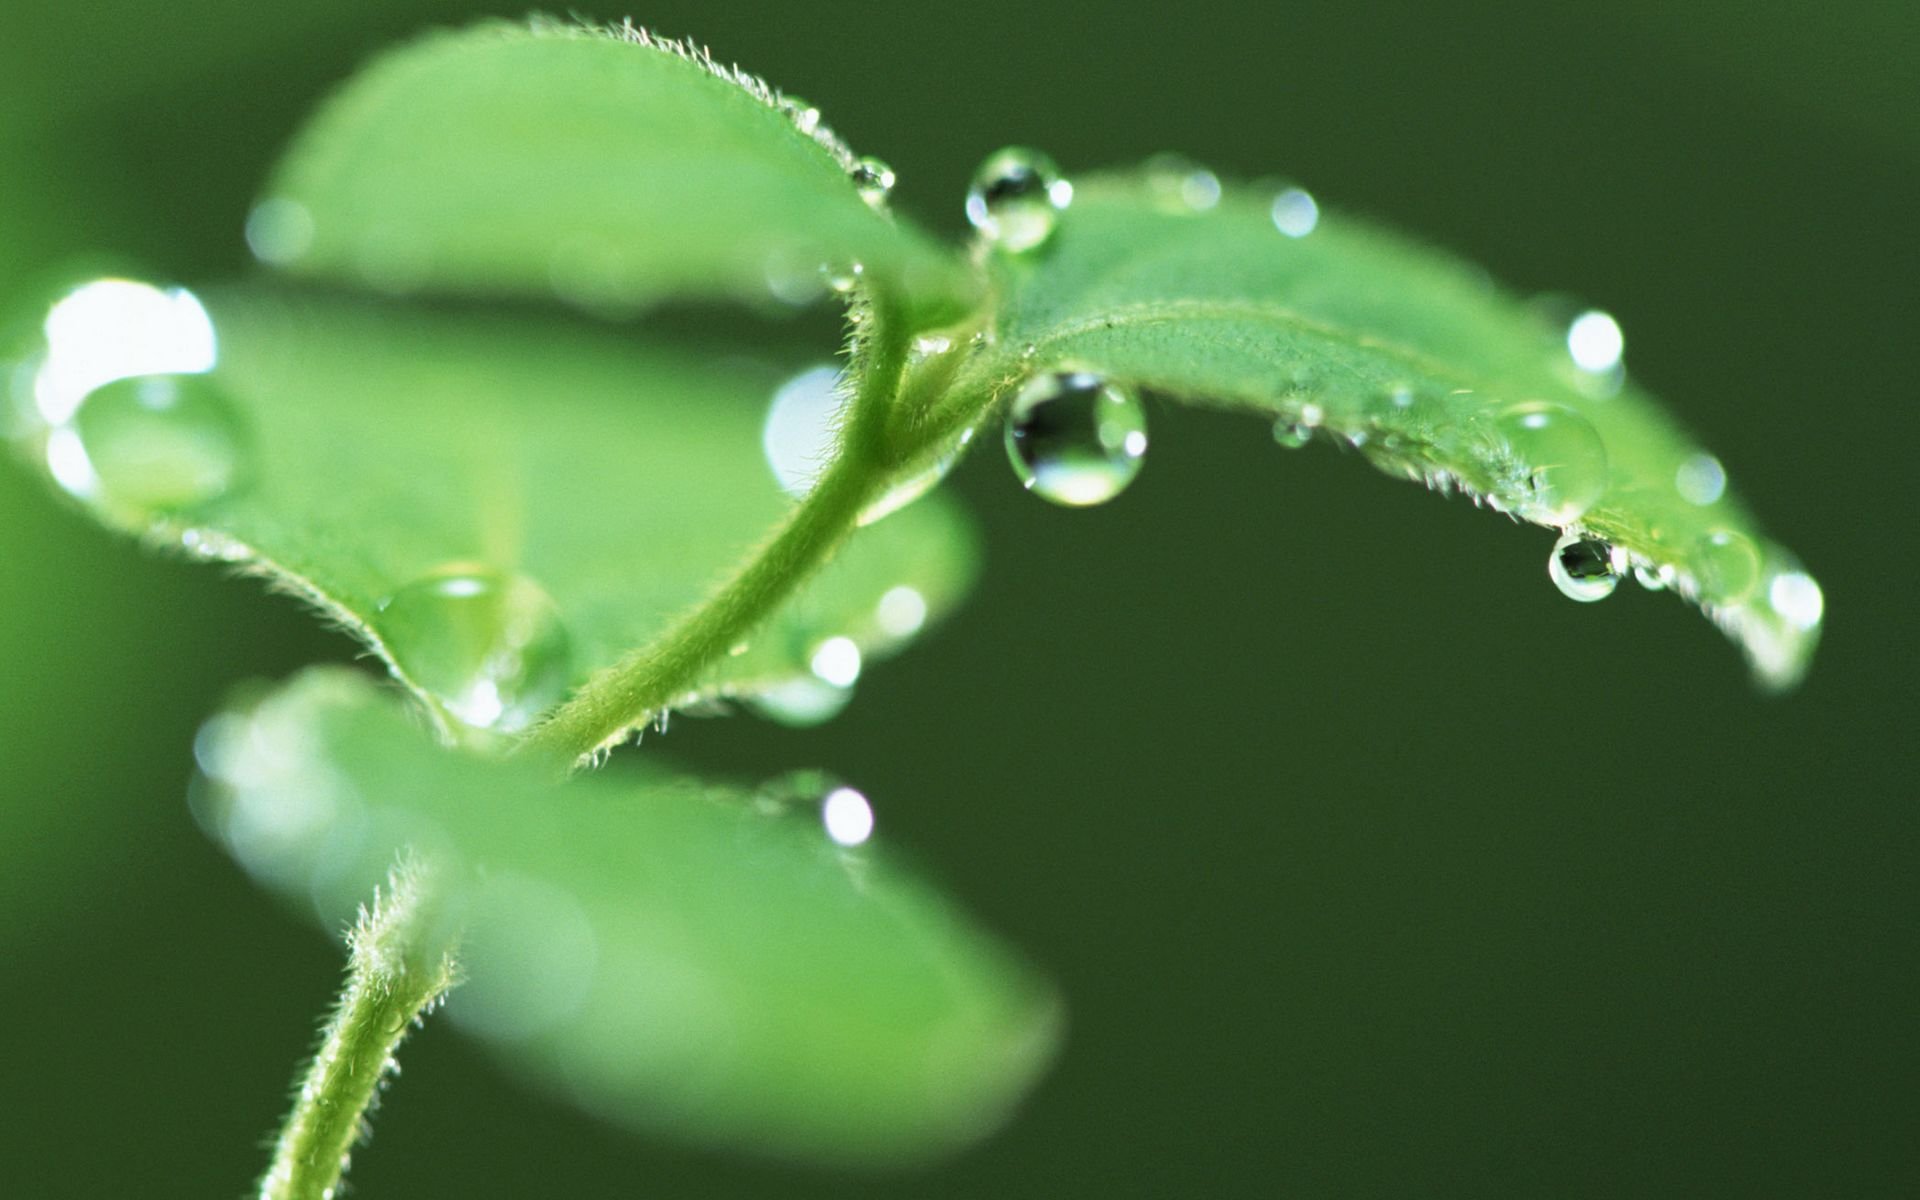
column 1797, row 598
column 1595, row 342
column 1652, row 578
column 150, row 444
column 1564, row 461
column 908, row 489
column 799, row 437
column 1295, row 213
column 800, row 702
column 1726, row 565
column 488, row 646
column 1179, row 185
column 1292, row 434
column 847, row 816
column 1584, row 568
column 843, row 279
column 805, row 117
column 1701, row 480
column 836, row 662
column 874, row 180
column 1074, row 438
column 1016, row 197
column 901, row 612
column 279, row 231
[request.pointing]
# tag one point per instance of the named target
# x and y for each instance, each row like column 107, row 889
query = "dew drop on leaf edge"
column 1726, row 565
column 488, row 646
column 1016, row 197
column 1584, row 568
column 148, row 445
column 1074, row 438
column 1563, row 460
column 874, row 180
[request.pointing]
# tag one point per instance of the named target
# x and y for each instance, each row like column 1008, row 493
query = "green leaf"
column 497, row 504
column 664, row 952
column 611, row 168
column 1348, row 333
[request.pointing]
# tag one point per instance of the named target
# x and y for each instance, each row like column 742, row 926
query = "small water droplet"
column 1564, row 460
column 1797, row 598
column 1584, row 568
column 1179, row 185
column 901, row 612
column 1292, row 434
column 1726, row 565
column 151, row 444
column 1074, row 438
column 1016, row 197
column 1295, row 212
column 1595, row 342
column 1652, row 578
column 801, row 702
column 279, row 231
column 805, row 117
column 1701, row 480
column 836, row 662
column 487, row 645
column 843, row 279
column 847, row 817
column 874, row 180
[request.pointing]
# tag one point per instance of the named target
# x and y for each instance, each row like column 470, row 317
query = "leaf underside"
column 1354, row 334
column 665, row 952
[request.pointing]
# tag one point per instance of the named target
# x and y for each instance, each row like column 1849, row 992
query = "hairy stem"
column 392, row 980
column 664, row 672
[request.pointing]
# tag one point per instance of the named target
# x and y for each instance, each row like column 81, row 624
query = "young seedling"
column 522, row 512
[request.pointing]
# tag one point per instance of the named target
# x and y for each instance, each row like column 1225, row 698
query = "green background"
column 1368, row 864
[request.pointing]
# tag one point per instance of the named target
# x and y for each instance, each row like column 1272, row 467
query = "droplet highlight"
column 1595, row 342
column 1584, row 568
column 1563, row 460
column 1798, row 600
column 1016, row 199
column 1075, row 438
column 1177, row 184
column 799, row 437
column 836, row 662
column 487, row 646
column 847, row 817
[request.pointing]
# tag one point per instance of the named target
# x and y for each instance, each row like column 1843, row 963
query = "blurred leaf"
column 664, row 952
column 610, row 168
column 1257, row 301
column 497, row 505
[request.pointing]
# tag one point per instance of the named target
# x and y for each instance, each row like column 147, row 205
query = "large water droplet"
column 149, row 445
column 1726, row 565
column 1177, row 184
column 1584, row 568
column 1074, row 438
column 1563, row 457
column 488, row 646
column 874, row 180
column 1016, row 197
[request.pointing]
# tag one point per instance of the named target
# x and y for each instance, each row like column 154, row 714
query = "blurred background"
column 1368, row 864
